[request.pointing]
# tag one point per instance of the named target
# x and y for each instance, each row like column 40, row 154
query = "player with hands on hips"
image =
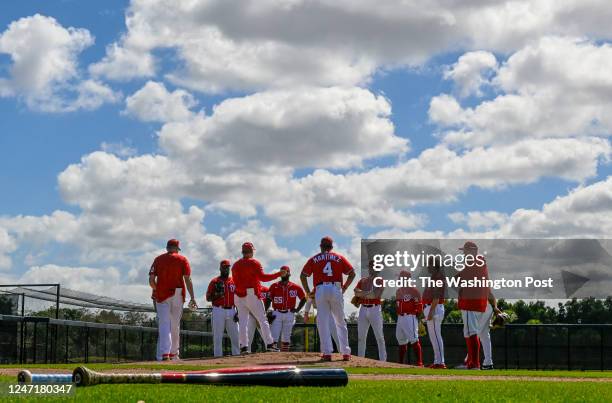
column 248, row 275
column 221, row 294
column 408, row 307
column 370, row 313
column 327, row 269
column 169, row 277
column 433, row 301
column 283, row 295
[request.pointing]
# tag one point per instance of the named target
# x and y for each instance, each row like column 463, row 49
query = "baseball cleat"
column 244, row 351
column 439, row 366
column 272, row 347
column 326, row 357
column 346, row 357
column 487, row 367
column 431, row 366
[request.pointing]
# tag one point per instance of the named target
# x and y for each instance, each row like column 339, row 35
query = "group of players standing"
column 240, row 302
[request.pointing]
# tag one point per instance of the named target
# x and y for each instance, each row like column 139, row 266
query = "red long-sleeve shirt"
column 248, row 273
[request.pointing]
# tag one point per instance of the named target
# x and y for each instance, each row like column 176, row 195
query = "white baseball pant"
column 407, row 329
column 371, row 316
column 250, row 304
column 169, row 313
column 282, row 326
column 329, row 300
column 222, row 320
column 434, row 329
column 252, row 326
column 484, row 335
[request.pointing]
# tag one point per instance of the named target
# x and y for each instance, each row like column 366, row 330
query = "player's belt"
column 282, row 310
column 336, row 283
column 404, row 314
column 369, row 305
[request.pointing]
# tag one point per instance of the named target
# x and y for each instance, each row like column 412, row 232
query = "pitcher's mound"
column 289, row 358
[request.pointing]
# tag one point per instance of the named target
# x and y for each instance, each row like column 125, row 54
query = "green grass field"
column 362, row 390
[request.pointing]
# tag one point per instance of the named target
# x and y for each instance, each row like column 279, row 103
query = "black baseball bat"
column 282, row 377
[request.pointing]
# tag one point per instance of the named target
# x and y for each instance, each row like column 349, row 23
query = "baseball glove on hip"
column 271, row 317
column 500, row 320
column 356, row 301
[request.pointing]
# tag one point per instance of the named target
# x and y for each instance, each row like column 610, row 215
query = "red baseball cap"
column 248, row 246
column 327, row 241
column 225, row 262
column 469, row 245
column 173, row 243
column 286, row 268
column 405, row 273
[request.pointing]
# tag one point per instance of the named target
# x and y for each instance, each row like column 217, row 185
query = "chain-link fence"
column 541, row 346
column 538, row 346
column 46, row 340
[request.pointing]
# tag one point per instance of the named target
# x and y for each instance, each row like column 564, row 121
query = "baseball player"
column 264, row 294
column 248, row 274
column 473, row 302
column 308, row 318
column 370, row 313
column 433, row 301
column 224, row 317
column 283, row 295
column 327, row 269
column 408, row 307
column 169, row 275
column 484, row 334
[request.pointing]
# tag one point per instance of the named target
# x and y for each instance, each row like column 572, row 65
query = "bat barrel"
column 282, row 378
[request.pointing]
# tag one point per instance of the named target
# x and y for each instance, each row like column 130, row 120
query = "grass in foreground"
column 409, row 371
column 356, row 391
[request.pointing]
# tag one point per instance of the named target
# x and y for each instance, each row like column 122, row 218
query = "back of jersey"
column 327, row 267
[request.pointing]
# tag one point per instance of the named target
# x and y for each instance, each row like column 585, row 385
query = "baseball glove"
column 356, row 301
column 422, row 329
column 499, row 320
column 271, row 317
column 219, row 287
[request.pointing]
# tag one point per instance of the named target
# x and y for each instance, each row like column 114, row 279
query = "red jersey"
column 408, row 301
column 474, row 298
column 229, row 288
column 327, row 267
column 367, row 284
column 169, row 269
column 248, row 273
column 435, row 292
column 264, row 293
column 284, row 295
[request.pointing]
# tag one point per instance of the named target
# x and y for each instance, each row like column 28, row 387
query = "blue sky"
column 495, row 130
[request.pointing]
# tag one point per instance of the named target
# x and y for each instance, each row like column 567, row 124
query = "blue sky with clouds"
column 123, row 124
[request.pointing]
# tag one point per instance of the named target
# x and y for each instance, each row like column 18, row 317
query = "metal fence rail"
column 45, row 340
column 520, row 346
column 516, row 346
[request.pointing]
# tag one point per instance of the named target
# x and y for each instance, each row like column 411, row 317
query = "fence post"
column 66, row 339
column 569, row 363
column 506, row 347
column 601, row 347
column 34, row 342
column 537, row 330
column 87, row 344
column 47, row 343
column 141, row 345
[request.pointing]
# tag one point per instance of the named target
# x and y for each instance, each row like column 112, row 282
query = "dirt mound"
column 290, row 358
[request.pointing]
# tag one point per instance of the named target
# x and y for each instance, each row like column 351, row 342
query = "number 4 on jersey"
column 328, row 269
